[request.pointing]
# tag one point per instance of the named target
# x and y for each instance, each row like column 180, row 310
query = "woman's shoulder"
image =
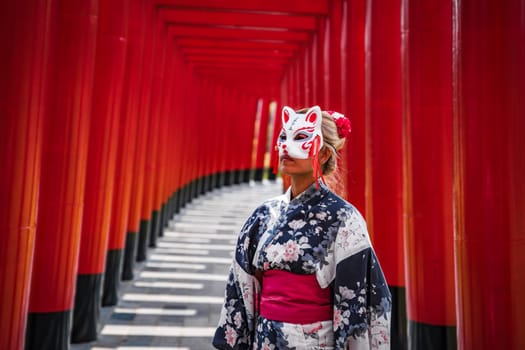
column 334, row 200
column 343, row 209
column 268, row 204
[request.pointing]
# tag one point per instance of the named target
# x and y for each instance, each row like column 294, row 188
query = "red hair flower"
column 343, row 124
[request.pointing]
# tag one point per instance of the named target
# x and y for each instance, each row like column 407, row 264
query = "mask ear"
column 287, row 114
column 314, row 115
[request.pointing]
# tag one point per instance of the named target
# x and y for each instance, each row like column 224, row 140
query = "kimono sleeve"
column 362, row 303
column 238, row 315
column 362, row 300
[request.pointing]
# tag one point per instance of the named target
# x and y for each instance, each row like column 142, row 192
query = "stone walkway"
column 175, row 299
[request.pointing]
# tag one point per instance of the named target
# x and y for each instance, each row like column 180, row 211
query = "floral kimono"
column 316, row 233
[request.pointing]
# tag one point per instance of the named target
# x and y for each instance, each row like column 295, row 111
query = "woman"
column 305, row 275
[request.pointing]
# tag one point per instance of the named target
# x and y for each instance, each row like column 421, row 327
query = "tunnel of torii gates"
column 117, row 113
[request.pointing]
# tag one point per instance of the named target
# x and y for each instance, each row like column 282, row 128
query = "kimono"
column 318, row 233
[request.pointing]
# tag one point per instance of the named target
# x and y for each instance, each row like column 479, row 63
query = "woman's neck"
column 300, row 183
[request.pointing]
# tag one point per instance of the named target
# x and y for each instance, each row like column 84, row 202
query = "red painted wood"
column 237, row 52
column 124, row 170
column 250, row 116
column 296, row 79
column 184, row 42
column 64, row 155
column 204, row 146
column 317, row 58
column 24, row 34
column 427, row 72
column 333, row 56
column 238, row 58
column 309, row 77
column 489, row 110
column 188, row 31
column 276, row 129
column 384, row 207
column 262, row 141
column 324, row 33
column 198, row 16
column 103, row 136
column 151, row 169
column 300, row 76
column 162, row 189
column 353, row 104
column 144, row 120
column 286, row 7
column 222, row 114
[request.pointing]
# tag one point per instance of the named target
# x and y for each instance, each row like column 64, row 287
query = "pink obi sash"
column 293, row 298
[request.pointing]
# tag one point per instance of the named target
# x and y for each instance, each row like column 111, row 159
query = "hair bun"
column 343, row 124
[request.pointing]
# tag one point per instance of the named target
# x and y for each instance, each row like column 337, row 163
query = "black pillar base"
column 155, row 228
column 211, row 183
column 130, row 253
column 228, row 178
column 86, row 313
column 246, row 174
column 237, row 177
column 142, row 246
column 258, row 174
column 431, row 337
column 112, row 277
column 162, row 219
column 48, row 330
column 398, row 329
column 189, row 192
column 204, row 184
column 184, row 196
column 271, row 175
column 176, row 203
column 219, row 180
column 196, row 188
column 199, row 184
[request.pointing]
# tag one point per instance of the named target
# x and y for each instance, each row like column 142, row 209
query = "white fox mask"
column 301, row 136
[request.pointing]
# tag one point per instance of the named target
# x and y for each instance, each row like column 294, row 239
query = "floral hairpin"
column 343, row 124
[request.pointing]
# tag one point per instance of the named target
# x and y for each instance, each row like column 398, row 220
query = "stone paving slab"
column 175, row 300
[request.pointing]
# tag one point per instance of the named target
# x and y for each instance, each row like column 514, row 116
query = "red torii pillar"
column 489, row 172
column 161, row 189
column 247, row 119
column 179, row 124
column 334, row 52
column 150, row 209
column 332, row 55
column 308, row 82
column 274, row 154
column 24, row 34
column 228, row 135
column 137, row 227
column 318, row 67
column 262, row 139
column 119, row 265
column 301, row 78
column 64, row 160
column 384, row 186
column 205, row 145
column 103, row 142
column 218, row 160
column 353, row 103
column 146, row 140
column 144, row 43
column 427, row 124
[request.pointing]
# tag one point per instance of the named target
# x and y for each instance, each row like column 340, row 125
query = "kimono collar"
column 307, row 194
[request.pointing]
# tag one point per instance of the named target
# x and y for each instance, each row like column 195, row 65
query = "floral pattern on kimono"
column 318, row 233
